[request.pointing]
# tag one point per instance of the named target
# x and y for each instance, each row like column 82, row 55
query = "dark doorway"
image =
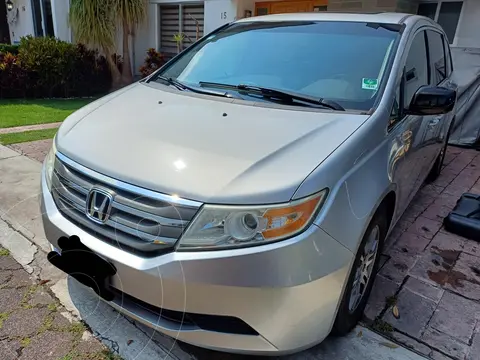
column 4, row 29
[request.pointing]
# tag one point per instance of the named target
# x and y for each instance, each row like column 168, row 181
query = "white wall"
column 24, row 23
column 145, row 38
column 468, row 31
column 218, row 13
column 60, row 10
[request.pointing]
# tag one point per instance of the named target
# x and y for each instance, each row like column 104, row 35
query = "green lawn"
column 42, row 111
column 14, row 138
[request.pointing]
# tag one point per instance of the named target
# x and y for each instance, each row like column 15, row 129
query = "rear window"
column 342, row 61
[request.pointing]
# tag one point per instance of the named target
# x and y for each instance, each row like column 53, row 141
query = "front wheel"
column 361, row 277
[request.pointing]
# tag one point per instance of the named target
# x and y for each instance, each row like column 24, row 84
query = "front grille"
column 143, row 224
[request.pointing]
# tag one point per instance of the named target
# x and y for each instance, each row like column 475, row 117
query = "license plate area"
column 84, row 265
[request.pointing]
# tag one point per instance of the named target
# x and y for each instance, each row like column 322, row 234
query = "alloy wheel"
column 363, row 273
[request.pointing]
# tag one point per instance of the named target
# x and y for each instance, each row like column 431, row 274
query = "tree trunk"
column 127, row 77
column 116, row 76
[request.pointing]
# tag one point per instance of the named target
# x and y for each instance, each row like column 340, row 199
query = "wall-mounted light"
column 9, row 5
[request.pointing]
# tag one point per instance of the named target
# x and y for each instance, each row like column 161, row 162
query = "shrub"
column 91, row 74
column 12, row 77
column 153, row 61
column 7, row 48
column 48, row 67
column 49, row 62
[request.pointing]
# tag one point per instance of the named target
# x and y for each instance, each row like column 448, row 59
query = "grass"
column 3, row 317
column 25, row 342
column 77, row 327
column 382, row 326
column 14, row 138
column 4, row 252
column 101, row 355
column 41, row 111
column 391, row 301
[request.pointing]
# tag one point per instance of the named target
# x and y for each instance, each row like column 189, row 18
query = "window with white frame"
column 446, row 13
column 42, row 17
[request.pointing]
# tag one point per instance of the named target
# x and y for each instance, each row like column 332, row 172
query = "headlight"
column 229, row 226
column 49, row 164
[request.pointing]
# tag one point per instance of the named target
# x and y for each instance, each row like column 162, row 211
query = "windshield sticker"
column 369, row 84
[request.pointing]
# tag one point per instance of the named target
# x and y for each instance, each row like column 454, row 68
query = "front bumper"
column 288, row 292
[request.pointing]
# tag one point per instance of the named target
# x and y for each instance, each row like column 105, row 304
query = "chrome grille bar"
column 140, row 220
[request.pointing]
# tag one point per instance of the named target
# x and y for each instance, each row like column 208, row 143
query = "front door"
column 439, row 77
column 289, row 6
column 408, row 132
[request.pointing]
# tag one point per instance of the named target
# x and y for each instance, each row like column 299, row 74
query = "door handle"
column 433, row 122
column 407, row 136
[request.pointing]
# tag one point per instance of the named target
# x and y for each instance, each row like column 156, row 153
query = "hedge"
column 46, row 67
column 7, row 48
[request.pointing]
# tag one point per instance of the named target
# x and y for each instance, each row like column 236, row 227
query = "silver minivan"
column 238, row 199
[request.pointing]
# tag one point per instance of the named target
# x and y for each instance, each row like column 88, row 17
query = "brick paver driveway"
column 430, row 275
column 34, row 326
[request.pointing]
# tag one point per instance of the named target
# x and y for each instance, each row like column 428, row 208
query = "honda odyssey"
column 239, row 197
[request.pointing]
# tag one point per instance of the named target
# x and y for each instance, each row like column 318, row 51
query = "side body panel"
column 375, row 161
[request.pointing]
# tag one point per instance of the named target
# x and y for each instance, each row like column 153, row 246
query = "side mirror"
column 432, row 100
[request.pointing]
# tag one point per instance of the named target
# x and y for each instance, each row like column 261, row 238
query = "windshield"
column 341, row 61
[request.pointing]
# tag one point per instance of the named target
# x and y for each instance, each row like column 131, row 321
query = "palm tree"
column 94, row 23
column 130, row 13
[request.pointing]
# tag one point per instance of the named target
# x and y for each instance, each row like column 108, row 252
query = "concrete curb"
column 18, row 129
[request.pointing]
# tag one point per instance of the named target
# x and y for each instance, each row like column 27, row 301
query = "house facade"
column 166, row 18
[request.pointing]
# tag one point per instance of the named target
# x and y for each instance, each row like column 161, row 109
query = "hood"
column 202, row 149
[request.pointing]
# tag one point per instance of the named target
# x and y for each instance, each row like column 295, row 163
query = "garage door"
column 193, row 16
column 186, row 19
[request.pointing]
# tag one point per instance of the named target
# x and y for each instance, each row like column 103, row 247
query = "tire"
column 348, row 314
column 437, row 167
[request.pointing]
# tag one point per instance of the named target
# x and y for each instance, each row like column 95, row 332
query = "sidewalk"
column 24, row 238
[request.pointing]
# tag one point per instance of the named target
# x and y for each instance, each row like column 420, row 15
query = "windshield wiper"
column 182, row 87
column 278, row 94
column 171, row 81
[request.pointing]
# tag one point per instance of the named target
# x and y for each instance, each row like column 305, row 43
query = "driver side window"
column 417, row 73
column 416, row 68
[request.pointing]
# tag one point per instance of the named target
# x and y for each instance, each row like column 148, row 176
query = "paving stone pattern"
column 36, row 150
column 32, row 326
column 430, row 275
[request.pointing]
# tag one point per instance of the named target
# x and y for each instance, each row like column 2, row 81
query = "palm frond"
column 131, row 12
column 93, row 22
